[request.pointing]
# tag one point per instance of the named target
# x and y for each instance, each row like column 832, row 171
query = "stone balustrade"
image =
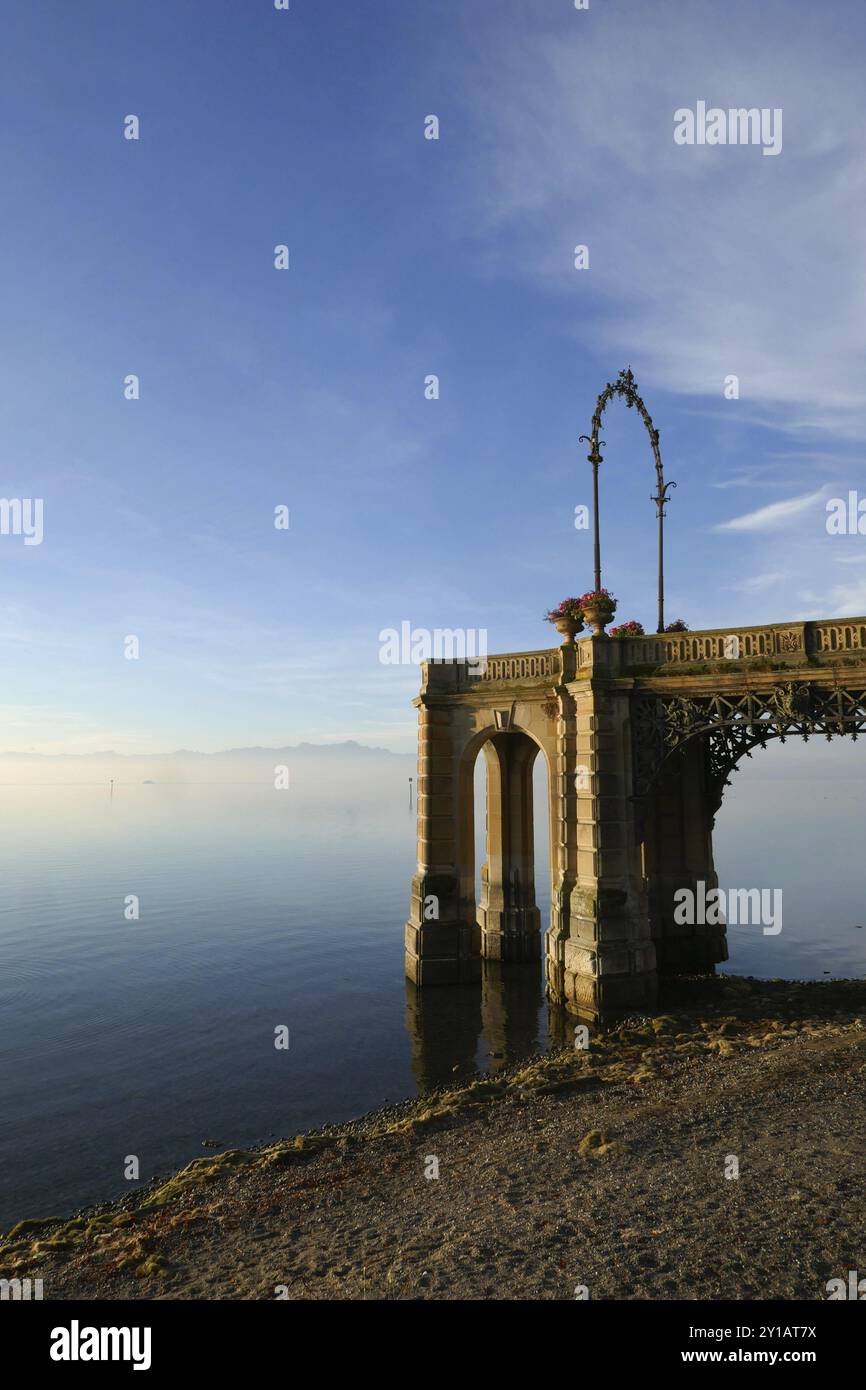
column 778, row 643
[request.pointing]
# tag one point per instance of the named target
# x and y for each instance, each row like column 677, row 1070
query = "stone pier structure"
column 639, row 736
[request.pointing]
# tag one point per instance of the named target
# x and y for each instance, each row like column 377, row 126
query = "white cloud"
column 759, row 582
column 774, row 516
column 708, row 260
column 842, row 601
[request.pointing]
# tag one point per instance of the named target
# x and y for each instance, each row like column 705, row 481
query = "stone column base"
column 512, row 934
column 441, row 953
column 604, row 982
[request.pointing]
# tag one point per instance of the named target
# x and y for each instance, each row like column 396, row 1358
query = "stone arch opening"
column 505, row 907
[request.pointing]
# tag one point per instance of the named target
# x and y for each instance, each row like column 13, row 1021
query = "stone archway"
column 448, row 932
column 507, row 912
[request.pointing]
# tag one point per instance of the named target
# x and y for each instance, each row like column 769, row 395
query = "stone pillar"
column 608, row 958
column 678, row 853
column 507, row 914
column 442, row 938
column 563, row 839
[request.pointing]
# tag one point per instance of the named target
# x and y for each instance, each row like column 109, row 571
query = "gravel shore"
column 599, row 1173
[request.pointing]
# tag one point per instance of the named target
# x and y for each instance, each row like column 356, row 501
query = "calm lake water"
column 260, row 908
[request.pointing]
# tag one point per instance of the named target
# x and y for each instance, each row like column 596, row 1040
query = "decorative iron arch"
column 626, row 386
column 732, row 725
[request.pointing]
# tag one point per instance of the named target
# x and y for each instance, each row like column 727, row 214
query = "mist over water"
column 260, row 908
column 793, row 819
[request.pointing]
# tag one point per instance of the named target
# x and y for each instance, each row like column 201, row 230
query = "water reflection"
column 512, row 999
column 456, row 1031
column 444, row 1026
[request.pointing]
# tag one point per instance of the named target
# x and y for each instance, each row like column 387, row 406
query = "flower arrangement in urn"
column 567, row 618
column 629, row 629
column 598, row 607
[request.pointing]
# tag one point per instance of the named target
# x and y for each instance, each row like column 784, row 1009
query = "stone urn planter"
column 567, row 618
column 598, row 608
column 597, row 617
column 568, row 627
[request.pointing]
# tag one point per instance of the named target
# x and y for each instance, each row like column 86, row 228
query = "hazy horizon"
column 343, row 745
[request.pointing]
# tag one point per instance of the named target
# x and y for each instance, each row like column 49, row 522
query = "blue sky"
column 408, row 257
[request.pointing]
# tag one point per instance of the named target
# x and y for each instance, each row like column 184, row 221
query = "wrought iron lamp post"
column 660, row 500
column 626, row 387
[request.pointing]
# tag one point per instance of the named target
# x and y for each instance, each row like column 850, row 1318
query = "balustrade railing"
column 787, row 643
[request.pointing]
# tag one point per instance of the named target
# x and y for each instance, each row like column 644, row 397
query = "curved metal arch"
column 626, row 386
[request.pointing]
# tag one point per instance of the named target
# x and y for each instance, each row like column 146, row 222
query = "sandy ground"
column 602, row 1171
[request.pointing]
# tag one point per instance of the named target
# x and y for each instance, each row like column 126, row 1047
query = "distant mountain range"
column 349, row 748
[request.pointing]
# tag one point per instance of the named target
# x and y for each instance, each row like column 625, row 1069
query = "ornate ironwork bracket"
column 731, row 726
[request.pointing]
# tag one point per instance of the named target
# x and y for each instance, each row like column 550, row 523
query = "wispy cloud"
column 721, row 285
column 773, row 516
column 842, row 601
column 759, row 583
column 757, row 478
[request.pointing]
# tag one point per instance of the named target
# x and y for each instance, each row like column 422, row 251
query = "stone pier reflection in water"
column 458, row 1030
